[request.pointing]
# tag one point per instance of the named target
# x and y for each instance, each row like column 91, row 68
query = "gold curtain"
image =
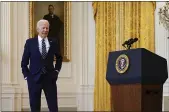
column 115, row 23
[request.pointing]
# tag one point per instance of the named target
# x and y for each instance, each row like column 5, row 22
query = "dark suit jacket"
column 56, row 25
column 56, row 29
column 32, row 57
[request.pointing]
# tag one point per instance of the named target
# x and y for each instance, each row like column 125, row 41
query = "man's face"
column 43, row 29
column 51, row 10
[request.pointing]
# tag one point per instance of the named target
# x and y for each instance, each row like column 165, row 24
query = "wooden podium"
column 136, row 77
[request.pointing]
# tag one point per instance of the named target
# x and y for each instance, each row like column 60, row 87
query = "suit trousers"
column 48, row 85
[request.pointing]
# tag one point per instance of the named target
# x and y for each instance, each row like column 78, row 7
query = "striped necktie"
column 44, row 53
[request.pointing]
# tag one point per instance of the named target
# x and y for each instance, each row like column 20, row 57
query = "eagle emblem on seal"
column 122, row 63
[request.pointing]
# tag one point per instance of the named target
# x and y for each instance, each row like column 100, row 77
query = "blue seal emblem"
column 122, row 63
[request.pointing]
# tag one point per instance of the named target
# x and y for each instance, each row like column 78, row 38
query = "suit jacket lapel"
column 50, row 43
column 37, row 46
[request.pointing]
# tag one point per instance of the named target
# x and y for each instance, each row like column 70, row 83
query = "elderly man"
column 41, row 74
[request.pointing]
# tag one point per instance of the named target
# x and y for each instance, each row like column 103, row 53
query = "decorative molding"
column 11, row 95
column 12, row 100
column 65, row 99
column 5, row 42
column 85, row 98
column 86, row 84
column 66, row 71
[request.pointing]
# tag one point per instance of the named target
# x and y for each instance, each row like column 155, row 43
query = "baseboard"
column 73, row 109
column 12, row 100
column 64, row 100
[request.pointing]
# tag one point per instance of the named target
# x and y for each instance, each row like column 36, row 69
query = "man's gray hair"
column 41, row 21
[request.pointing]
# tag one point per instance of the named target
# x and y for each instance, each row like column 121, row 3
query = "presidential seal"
column 122, row 63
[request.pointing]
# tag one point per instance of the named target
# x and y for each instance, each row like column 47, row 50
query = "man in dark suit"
column 56, row 25
column 56, row 28
column 41, row 74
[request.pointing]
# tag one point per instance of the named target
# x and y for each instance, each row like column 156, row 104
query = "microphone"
column 135, row 40
column 129, row 42
column 132, row 41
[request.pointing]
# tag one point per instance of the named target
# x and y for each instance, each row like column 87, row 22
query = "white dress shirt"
column 40, row 44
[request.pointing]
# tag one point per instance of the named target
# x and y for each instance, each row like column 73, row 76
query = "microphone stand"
column 128, row 46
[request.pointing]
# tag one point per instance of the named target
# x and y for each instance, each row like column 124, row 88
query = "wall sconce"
column 164, row 15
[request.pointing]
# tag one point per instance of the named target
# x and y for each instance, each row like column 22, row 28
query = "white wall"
column 162, row 49
column 76, row 79
column 161, row 41
column 86, row 79
column 0, row 68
